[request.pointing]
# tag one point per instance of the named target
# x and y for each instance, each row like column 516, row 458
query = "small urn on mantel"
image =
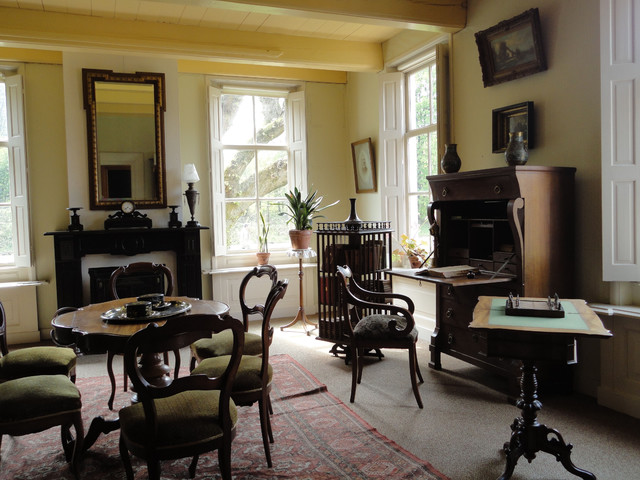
column 516, row 152
column 451, row 162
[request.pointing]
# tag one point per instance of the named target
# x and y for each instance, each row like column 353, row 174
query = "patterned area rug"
column 316, row 437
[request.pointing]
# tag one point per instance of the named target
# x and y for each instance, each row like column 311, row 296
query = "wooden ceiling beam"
column 32, row 28
column 434, row 15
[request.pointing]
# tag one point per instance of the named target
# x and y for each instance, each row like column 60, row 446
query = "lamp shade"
column 190, row 174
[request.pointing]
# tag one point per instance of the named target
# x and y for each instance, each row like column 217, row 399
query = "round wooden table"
column 93, row 335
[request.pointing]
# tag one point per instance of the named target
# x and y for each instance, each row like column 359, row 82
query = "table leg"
column 529, row 437
column 301, row 316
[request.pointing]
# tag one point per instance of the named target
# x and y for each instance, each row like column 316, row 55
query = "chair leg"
column 153, row 467
column 224, row 459
column 125, row 379
column 126, row 460
column 176, row 370
column 360, row 354
column 77, row 444
column 192, row 364
column 412, row 371
column 418, row 367
column 354, row 372
column 112, row 378
column 265, row 427
column 193, row 465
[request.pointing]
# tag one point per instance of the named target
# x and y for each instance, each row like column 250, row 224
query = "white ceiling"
column 223, row 15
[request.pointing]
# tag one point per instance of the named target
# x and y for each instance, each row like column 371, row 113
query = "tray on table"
column 164, row 310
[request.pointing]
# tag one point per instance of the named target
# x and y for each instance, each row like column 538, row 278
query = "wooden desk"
column 94, row 335
column 531, row 339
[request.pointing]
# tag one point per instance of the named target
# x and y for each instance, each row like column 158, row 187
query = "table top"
column 87, row 321
column 579, row 319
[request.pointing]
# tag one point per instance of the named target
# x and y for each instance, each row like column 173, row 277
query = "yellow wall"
column 567, row 109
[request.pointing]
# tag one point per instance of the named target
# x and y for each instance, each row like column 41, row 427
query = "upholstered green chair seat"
column 248, row 376
column 198, row 409
column 376, row 326
column 221, row 344
column 37, row 396
column 37, row 361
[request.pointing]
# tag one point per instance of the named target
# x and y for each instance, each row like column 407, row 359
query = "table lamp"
column 190, row 176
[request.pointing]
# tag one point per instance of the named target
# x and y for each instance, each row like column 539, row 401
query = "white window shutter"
column 391, row 149
column 217, row 174
column 297, row 141
column 620, row 98
column 18, row 172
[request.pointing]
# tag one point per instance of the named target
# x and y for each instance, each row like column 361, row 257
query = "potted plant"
column 263, row 254
column 416, row 251
column 301, row 212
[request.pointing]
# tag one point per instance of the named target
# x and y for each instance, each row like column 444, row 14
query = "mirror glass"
column 125, row 130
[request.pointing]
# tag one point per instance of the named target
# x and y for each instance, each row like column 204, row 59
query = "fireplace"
column 71, row 246
column 127, row 285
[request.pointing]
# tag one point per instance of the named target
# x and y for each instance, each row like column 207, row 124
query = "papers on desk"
column 448, row 272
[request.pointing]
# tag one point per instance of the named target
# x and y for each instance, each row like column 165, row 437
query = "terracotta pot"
column 415, row 261
column 263, row 257
column 300, row 239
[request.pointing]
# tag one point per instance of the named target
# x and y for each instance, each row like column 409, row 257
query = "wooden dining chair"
column 374, row 323
column 191, row 415
column 220, row 344
column 39, row 402
column 137, row 268
column 29, row 361
column 253, row 381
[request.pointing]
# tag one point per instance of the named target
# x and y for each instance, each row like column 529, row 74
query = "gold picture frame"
column 364, row 166
column 511, row 49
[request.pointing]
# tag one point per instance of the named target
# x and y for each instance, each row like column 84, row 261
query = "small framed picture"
column 511, row 49
column 364, row 166
column 514, row 118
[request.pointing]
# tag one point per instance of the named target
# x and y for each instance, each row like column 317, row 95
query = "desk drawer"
column 462, row 340
column 492, row 187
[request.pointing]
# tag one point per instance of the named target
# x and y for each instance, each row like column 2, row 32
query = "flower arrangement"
column 411, row 248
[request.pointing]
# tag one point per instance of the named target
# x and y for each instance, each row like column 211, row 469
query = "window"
column 413, row 119
column 255, row 156
column 421, row 149
column 14, row 232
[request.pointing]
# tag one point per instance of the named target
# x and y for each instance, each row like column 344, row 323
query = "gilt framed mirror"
column 125, row 138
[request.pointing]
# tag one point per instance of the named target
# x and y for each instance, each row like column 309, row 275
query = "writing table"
column 532, row 339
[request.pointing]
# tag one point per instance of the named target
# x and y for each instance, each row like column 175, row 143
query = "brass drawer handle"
column 450, row 339
column 497, row 189
column 450, row 290
column 445, row 190
column 449, row 313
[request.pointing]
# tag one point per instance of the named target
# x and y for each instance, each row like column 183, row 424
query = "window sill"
column 627, row 311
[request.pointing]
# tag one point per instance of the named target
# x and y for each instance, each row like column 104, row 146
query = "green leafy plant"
column 412, row 247
column 302, row 211
column 263, row 238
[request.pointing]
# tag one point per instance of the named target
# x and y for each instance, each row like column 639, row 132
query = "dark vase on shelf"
column 516, row 152
column 450, row 160
column 353, row 222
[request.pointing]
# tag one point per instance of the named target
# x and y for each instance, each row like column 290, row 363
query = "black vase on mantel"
column 353, row 222
column 451, row 162
column 516, row 152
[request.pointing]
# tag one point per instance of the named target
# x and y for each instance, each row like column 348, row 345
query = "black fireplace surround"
column 71, row 246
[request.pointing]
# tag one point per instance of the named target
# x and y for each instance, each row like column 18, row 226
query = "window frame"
column 21, row 268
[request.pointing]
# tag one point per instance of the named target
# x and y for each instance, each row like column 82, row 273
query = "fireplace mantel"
column 71, row 246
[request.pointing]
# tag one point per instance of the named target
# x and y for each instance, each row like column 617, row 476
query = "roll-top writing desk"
column 515, row 224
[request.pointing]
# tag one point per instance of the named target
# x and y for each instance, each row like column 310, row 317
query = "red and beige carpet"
column 316, row 437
